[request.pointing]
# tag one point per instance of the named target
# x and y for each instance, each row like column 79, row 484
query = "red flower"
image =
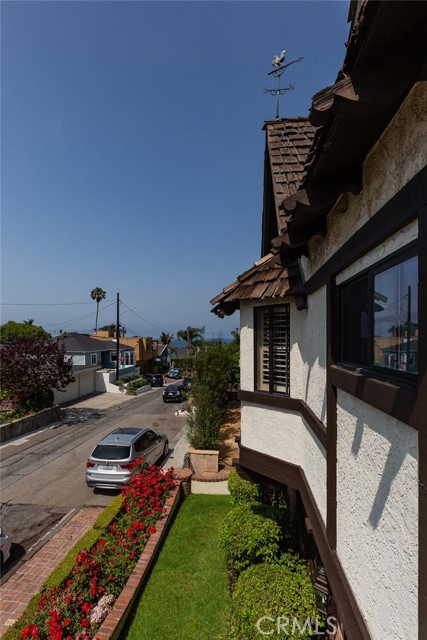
column 30, row 632
column 86, row 607
column 152, row 529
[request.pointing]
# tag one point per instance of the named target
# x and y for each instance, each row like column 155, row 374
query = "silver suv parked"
column 108, row 466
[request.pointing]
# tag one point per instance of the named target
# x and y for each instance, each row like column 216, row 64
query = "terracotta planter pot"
column 204, row 460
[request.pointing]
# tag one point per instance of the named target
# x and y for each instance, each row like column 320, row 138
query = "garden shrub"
column 247, row 538
column 266, row 500
column 212, row 379
column 133, row 386
column 242, row 491
column 266, row 592
column 281, row 515
column 129, row 377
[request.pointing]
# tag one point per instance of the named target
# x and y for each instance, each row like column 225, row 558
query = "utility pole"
column 117, row 337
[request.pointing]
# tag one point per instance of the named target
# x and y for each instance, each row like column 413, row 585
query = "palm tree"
column 190, row 334
column 97, row 294
column 166, row 338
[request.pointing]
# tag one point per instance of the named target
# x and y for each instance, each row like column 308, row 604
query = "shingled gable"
column 386, row 55
column 288, row 142
column 80, row 342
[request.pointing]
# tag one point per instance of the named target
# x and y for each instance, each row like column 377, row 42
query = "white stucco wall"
column 308, row 353
column 377, row 456
column 377, row 515
column 286, row 435
column 247, row 346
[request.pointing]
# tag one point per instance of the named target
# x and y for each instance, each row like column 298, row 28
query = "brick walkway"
column 16, row 593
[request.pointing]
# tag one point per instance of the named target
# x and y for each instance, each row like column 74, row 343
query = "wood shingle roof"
column 267, row 279
column 288, row 142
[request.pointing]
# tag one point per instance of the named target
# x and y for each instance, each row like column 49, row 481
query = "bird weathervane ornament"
column 278, row 62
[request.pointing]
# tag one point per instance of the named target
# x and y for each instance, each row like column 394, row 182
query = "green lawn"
column 186, row 596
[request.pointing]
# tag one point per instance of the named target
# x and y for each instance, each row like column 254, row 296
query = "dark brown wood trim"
column 289, row 404
column 422, row 425
column 292, row 475
column 331, row 412
column 396, row 400
column 408, row 204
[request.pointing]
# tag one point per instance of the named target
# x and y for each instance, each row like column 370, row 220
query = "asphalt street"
column 42, row 474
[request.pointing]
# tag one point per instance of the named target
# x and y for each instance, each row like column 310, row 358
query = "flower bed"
column 76, row 609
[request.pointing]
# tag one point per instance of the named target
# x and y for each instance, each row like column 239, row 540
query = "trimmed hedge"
column 266, row 500
column 269, row 595
column 242, row 491
column 247, row 538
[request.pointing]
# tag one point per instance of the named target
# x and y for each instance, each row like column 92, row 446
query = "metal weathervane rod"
column 278, row 71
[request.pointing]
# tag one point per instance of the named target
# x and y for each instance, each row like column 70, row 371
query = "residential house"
column 94, row 365
column 334, row 327
column 149, row 352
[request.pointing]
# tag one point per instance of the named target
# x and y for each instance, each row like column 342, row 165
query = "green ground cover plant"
column 186, row 595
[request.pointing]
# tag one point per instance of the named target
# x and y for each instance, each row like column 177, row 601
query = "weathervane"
column 278, row 71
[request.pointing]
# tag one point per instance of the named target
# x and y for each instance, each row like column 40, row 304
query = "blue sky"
column 132, row 151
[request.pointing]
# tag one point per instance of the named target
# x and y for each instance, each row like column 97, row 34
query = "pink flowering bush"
column 77, row 608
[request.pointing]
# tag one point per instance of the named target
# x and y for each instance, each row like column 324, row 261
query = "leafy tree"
column 97, row 294
column 31, row 368
column 191, row 335
column 12, row 330
column 166, row 338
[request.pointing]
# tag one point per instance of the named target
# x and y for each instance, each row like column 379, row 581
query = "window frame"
column 369, row 274
column 270, row 308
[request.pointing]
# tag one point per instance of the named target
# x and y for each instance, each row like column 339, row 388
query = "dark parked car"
column 108, row 464
column 174, row 373
column 155, row 379
column 188, row 382
column 173, row 393
column 5, row 545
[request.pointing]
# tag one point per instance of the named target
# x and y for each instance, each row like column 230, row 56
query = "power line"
column 41, row 304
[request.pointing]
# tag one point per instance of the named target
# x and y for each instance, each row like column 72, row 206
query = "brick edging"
column 116, row 618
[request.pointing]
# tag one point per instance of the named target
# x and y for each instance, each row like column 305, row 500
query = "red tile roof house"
column 334, row 327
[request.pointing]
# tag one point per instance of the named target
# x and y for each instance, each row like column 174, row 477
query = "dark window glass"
column 355, row 322
column 396, row 317
column 379, row 317
column 110, row 452
column 146, row 441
